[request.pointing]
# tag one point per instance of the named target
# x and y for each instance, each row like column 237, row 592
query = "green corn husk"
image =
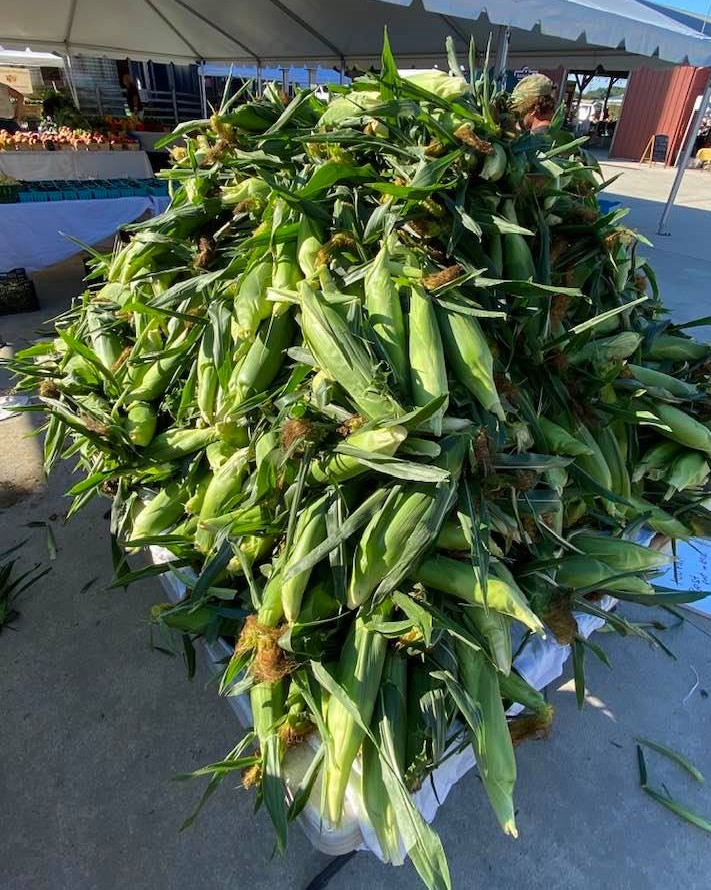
column 495, row 628
column 495, row 163
column 392, row 704
column 310, row 531
column 667, row 347
column 655, row 461
column 104, row 341
column 251, row 304
column 585, row 571
column 560, row 441
column 141, row 422
column 406, row 527
column 310, row 242
column 453, row 537
column 594, row 463
column 151, row 380
column 358, row 672
column 688, row 471
column 659, row 520
column 161, row 512
column 175, row 444
column 338, row 468
column 608, row 349
column 265, row 357
column 342, row 357
column 439, row 83
column 623, row 556
column 649, row 377
column 428, row 369
column 518, row 262
column 682, row 428
column 491, row 740
column 617, row 464
column 461, row 580
column 470, row 358
column 223, row 492
column 382, row 301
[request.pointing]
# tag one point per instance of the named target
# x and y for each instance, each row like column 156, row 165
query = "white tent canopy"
column 29, row 59
column 612, row 33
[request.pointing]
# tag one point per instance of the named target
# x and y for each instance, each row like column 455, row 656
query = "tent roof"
column 613, row 33
column 30, row 59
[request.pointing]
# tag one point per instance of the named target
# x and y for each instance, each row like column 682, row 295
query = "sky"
column 698, row 6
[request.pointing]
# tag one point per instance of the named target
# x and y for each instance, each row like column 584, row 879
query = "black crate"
column 17, row 292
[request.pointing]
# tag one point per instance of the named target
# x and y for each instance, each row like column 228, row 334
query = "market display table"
column 32, row 165
column 34, row 236
column 147, row 139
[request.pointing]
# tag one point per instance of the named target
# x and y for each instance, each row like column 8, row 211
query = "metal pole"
column 285, row 80
column 99, row 103
column 681, row 165
column 203, row 91
column 259, row 78
column 174, row 97
column 503, row 37
column 70, row 79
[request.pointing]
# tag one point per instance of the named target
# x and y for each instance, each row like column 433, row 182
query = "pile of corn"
column 394, row 391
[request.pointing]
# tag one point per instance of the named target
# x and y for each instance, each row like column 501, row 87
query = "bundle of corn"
column 398, row 389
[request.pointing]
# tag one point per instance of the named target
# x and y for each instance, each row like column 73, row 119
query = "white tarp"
column 325, row 32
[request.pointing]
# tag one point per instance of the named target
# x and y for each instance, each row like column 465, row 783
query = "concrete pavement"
column 94, row 723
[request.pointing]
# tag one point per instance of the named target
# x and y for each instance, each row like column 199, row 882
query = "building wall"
column 657, row 102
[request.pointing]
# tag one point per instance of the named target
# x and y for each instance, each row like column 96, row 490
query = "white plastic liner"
column 540, row 663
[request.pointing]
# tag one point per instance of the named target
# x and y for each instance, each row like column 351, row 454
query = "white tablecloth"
column 33, row 165
column 31, row 234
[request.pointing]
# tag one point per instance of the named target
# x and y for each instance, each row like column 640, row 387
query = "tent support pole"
column 503, row 37
column 70, row 77
column 203, row 91
column 686, row 154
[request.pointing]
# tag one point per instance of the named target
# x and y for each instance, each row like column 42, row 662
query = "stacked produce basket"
column 396, row 395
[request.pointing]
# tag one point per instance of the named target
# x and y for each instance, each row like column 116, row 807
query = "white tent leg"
column 70, row 79
column 203, row 93
column 503, row 37
column 686, row 154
